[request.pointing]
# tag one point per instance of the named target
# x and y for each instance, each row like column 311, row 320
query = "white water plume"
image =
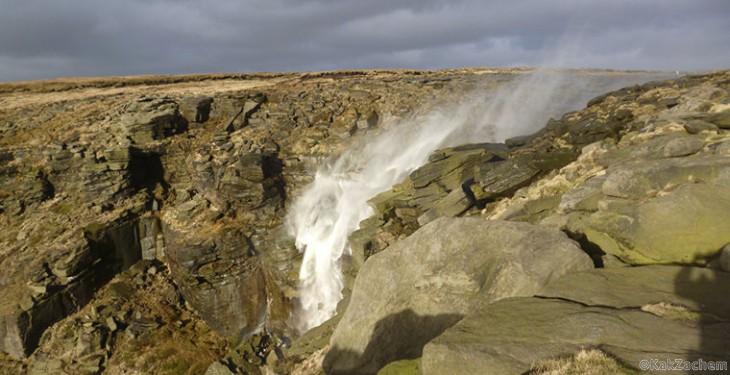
column 331, row 208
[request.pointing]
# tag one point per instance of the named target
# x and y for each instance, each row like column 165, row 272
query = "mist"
column 331, row 208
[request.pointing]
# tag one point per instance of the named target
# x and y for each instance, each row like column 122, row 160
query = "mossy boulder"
column 408, row 294
column 632, row 314
column 660, row 212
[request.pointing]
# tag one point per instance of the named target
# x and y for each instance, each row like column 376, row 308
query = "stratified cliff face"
column 142, row 217
column 186, row 176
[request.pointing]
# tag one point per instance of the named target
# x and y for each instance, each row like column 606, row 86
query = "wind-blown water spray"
column 334, row 204
column 331, row 208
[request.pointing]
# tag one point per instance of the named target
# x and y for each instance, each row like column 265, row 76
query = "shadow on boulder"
column 712, row 321
column 395, row 337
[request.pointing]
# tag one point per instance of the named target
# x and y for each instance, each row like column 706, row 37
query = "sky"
column 51, row 38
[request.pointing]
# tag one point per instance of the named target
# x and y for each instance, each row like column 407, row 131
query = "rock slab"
column 630, row 313
column 407, row 295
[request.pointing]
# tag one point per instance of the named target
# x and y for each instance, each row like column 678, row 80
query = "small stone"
column 367, row 122
column 721, row 119
column 121, row 316
column 37, row 289
column 407, row 213
column 698, row 126
column 129, row 333
column 218, row 368
column 152, row 270
column 683, row 146
column 111, row 324
column 26, row 302
column 723, row 148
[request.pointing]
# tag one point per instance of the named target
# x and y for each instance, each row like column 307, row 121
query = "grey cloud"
column 41, row 39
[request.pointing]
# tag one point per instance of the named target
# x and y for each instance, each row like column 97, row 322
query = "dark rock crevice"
column 105, row 251
column 591, row 248
column 146, row 171
column 117, row 246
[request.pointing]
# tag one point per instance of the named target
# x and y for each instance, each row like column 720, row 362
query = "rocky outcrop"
column 197, row 180
column 409, row 294
column 634, row 213
column 196, row 109
column 613, row 176
column 138, row 322
column 104, row 191
column 81, row 264
column 677, row 312
column 656, row 195
column 453, row 182
column 149, row 119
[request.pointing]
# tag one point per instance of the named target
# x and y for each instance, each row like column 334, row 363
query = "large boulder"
column 633, row 314
column 672, row 210
column 196, row 108
column 409, row 294
column 657, row 196
column 147, row 119
column 219, row 273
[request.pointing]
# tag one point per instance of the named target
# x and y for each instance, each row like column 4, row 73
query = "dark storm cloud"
column 40, row 39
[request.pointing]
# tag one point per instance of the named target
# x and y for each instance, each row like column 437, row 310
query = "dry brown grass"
column 24, row 98
column 672, row 311
column 585, row 362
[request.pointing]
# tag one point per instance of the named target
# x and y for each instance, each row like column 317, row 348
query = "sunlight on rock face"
column 331, row 208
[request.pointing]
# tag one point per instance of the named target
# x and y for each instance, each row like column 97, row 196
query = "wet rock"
column 440, row 188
